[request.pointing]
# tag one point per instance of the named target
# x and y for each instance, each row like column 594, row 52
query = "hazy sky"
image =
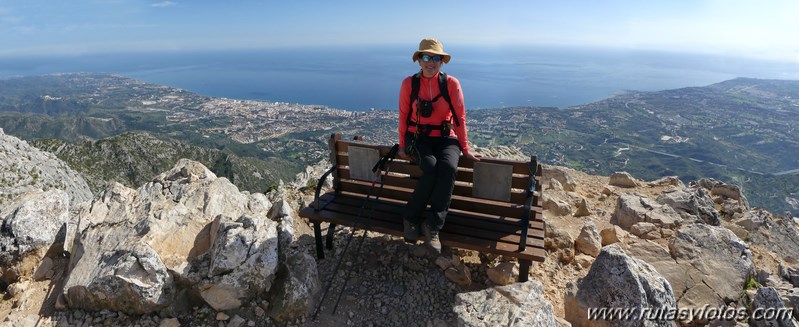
column 760, row 29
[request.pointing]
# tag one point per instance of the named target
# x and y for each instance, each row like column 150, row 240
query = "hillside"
column 740, row 131
column 134, row 159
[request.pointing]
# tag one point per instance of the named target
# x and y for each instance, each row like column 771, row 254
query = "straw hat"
column 431, row 46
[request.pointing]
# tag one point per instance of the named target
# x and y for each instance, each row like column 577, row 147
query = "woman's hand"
column 402, row 154
column 475, row 157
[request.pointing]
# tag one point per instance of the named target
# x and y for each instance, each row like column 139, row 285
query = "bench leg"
column 331, row 229
column 524, row 270
column 317, row 232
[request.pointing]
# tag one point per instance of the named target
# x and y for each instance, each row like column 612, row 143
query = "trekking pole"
column 380, row 164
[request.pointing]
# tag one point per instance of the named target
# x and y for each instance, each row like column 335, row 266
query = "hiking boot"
column 412, row 231
column 431, row 239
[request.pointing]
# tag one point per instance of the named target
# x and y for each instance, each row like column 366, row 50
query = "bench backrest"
column 491, row 186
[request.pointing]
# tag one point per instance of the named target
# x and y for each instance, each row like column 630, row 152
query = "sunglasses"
column 428, row 58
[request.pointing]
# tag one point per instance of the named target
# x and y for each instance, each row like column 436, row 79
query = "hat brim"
column 444, row 54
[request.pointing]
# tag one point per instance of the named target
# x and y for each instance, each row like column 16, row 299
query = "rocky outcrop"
column 632, row 209
column 589, row 241
column 560, row 176
column 779, row 235
column 623, row 179
column 724, row 190
column 24, row 168
column 768, row 302
column 513, row 305
column 560, row 241
column 33, row 223
column 693, row 205
column 716, row 265
column 617, row 280
column 186, row 232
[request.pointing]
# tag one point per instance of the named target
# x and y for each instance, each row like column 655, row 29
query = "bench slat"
column 519, row 180
column 533, row 253
column 458, row 202
column 484, row 227
column 519, row 167
column 517, row 195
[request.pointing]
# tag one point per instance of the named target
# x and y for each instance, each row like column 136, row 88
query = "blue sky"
column 755, row 29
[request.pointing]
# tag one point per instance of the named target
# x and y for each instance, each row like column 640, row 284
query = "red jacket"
column 429, row 89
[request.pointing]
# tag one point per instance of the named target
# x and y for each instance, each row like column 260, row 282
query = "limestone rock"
column 297, row 288
column 780, row 236
column 505, row 273
column 623, row 179
column 561, row 175
column 583, row 209
column 459, row 274
column 717, row 265
column 26, row 168
column 647, row 231
column 611, row 235
column 556, row 205
column 694, row 205
column 560, row 241
column 521, row 304
column 186, row 232
column 617, row 280
column 33, row 223
column 632, row 209
column 667, row 181
column 589, row 241
column 719, row 188
column 767, row 299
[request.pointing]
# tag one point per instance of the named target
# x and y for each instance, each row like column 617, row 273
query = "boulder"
column 589, row 241
column 561, row 175
column 693, row 204
column 505, row 273
column 583, row 209
column 617, row 280
column 790, row 274
column 645, row 230
column 724, row 190
column 632, row 209
column 556, row 205
column 520, row 304
column 559, row 241
column 768, row 301
column 612, row 234
column 33, row 223
column 667, row 181
column 297, row 288
column 717, row 265
column 186, row 233
column 779, row 236
column 623, row 179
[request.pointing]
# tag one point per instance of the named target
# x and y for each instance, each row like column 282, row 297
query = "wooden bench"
column 493, row 208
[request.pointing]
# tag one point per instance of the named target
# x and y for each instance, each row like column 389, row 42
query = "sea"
column 368, row 77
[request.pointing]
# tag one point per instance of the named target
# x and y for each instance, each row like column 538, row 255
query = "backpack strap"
column 415, row 84
column 443, row 86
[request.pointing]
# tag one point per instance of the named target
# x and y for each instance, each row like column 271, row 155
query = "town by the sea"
column 362, row 78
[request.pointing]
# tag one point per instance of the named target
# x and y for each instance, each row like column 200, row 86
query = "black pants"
column 438, row 159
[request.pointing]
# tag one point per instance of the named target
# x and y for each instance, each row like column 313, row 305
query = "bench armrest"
column 319, row 186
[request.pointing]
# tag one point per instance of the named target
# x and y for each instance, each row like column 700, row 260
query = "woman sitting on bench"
column 427, row 134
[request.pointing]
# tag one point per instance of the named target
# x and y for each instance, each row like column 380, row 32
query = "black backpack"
column 443, row 92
